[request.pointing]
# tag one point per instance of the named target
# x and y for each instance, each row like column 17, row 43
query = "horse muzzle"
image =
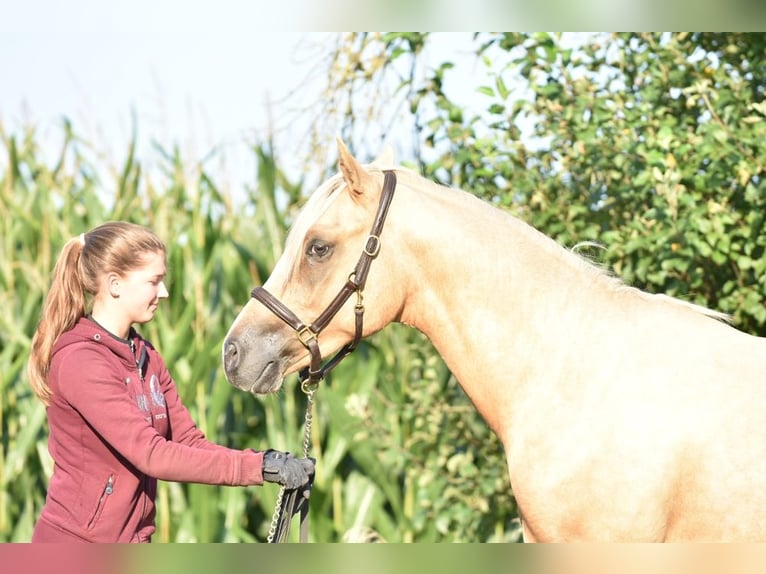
column 257, row 369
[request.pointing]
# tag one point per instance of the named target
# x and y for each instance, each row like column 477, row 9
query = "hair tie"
column 82, row 239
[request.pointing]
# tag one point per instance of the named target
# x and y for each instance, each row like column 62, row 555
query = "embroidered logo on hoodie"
column 158, row 397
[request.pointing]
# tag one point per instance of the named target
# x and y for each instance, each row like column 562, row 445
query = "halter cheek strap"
column 309, row 334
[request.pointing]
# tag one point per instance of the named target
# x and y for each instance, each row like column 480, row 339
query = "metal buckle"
column 305, row 335
column 375, row 249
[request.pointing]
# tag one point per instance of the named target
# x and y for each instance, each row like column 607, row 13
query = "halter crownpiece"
column 309, row 334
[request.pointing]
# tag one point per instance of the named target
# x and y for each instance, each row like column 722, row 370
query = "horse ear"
column 385, row 157
column 357, row 178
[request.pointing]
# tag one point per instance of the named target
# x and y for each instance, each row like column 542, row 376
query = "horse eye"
column 318, row 249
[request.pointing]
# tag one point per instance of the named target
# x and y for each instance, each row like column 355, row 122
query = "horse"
column 624, row 415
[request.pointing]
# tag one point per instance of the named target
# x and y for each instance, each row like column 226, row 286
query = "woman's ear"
column 112, row 281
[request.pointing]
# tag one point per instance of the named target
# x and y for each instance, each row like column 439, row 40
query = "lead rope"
column 277, row 517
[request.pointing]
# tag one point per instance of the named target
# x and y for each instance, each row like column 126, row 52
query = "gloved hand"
column 283, row 468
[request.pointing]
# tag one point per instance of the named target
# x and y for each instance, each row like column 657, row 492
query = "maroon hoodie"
column 117, row 425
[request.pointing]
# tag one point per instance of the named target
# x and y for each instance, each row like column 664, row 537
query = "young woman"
column 117, row 423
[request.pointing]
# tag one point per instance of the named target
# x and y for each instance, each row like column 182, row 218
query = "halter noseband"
column 309, row 334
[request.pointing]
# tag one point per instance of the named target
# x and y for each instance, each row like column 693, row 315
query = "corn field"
column 402, row 456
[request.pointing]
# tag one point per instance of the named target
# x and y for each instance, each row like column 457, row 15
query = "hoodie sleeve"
column 183, row 429
column 100, row 396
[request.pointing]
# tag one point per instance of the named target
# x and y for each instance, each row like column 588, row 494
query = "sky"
column 201, row 75
column 200, row 71
column 181, row 73
column 192, row 77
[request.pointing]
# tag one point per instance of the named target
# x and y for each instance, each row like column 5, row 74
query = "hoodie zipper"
column 140, row 362
column 108, row 490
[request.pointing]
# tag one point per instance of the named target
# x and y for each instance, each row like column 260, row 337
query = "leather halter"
column 309, row 334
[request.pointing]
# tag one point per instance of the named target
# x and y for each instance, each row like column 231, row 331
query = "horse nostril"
column 230, row 356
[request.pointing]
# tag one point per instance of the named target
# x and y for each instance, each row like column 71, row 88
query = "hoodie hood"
column 88, row 329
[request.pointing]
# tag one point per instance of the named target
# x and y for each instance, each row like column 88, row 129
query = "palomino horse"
column 624, row 416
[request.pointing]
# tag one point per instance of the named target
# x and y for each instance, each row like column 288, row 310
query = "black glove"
column 283, row 468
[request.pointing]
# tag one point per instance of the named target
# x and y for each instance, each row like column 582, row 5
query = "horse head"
column 316, row 301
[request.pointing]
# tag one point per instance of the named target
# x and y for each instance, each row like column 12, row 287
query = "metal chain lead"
column 275, row 516
column 309, row 391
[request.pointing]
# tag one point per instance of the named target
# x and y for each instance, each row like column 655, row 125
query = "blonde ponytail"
column 64, row 305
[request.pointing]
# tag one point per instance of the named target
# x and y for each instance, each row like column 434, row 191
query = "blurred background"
column 646, row 148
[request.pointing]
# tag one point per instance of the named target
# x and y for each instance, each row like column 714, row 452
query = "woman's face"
column 142, row 288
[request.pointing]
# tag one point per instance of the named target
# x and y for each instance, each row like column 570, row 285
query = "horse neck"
column 491, row 293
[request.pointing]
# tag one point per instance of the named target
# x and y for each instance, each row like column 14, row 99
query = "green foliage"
column 400, row 456
column 43, row 206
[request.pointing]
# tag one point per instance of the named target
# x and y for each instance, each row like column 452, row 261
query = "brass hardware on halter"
column 372, row 252
column 306, row 335
column 308, row 386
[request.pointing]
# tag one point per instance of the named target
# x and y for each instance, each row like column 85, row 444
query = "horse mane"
column 597, row 273
column 629, row 291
